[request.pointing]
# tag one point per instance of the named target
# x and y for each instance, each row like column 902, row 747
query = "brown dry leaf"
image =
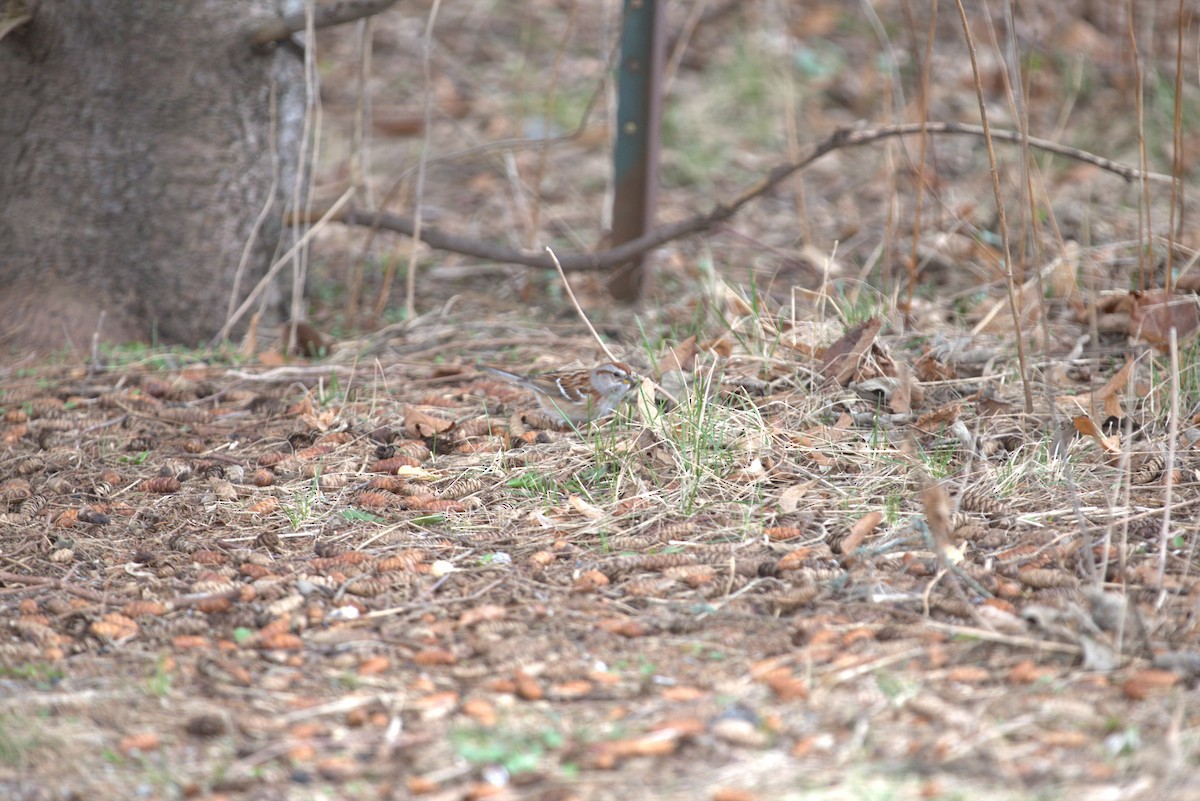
column 113, row 627
column 936, row 420
column 736, row 305
column 756, row 470
column 321, row 421
column 844, row 360
column 144, row 608
column 482, row 710
column 571, row 690
column 968, row 674
column 905, row 394
column 419, row 425
column 624, row 626
column 396, row 121
column 807, row 446
column 485, row 613
column 250, row 340
column 657, row 743
column 435, row 656
column 187, row 642
column 590, row 581
column 527, row 686
column 720, row 347
column 989, row 406
column 1061, row 280
column 141, row 742
column 785, row 685
column 1119, row 303
column 282, row 641
column 374, row 665
column 1028, row 672
column 929, row 368
column 819, row 21
column 681, row 358
column 1149, row 681
column 1156, row 312
column 582, row 507
column 789, row 499
column 861, row 528
column 1108, row 395
column 683, row 694
column 420, row 785
column 1086, row 426
column 437, row 705
column 937, row 514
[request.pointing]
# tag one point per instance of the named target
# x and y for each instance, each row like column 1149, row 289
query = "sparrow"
column 576, row 396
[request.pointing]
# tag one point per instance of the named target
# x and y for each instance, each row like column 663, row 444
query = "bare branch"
column 578, row 262
column 614, row 257
column 325, row 16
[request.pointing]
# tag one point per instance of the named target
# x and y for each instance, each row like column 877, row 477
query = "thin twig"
column 58, row 584
column 410, row 282
column 1145, row 229
column 613, row 257
column 578, row 308
column 1169, row 466
column 1001, row 217
column 1002, row 638
column 330, row 214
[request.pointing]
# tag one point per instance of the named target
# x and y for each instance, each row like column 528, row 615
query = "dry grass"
column 377, row 575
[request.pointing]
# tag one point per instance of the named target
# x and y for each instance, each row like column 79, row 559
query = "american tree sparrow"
column 577, row 396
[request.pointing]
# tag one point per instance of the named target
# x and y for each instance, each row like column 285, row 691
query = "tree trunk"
column 137, row 151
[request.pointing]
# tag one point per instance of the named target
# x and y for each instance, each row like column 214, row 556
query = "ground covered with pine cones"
column 874, row 526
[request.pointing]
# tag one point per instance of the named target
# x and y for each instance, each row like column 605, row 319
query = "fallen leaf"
column 590, row 581
column 901, row 401
column 143, row 742
column 1086, row 426
column 1108, row 395
column 789, row 499
column 485, row 613
column 584, row 508
column 862, row 527
column 934, row 421
column 937, row 514
column 1147, row 682
column 845, row 360
column 415, row 473
column 1060, row 279
column 929, row 368
column 1156, row 312
column 419, row 425
column 720, row 347
column 682, row 357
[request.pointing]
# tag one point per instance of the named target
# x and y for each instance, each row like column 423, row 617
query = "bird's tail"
column 496, row 371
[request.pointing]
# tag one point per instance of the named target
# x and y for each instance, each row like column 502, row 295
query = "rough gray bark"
column 135, row 156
